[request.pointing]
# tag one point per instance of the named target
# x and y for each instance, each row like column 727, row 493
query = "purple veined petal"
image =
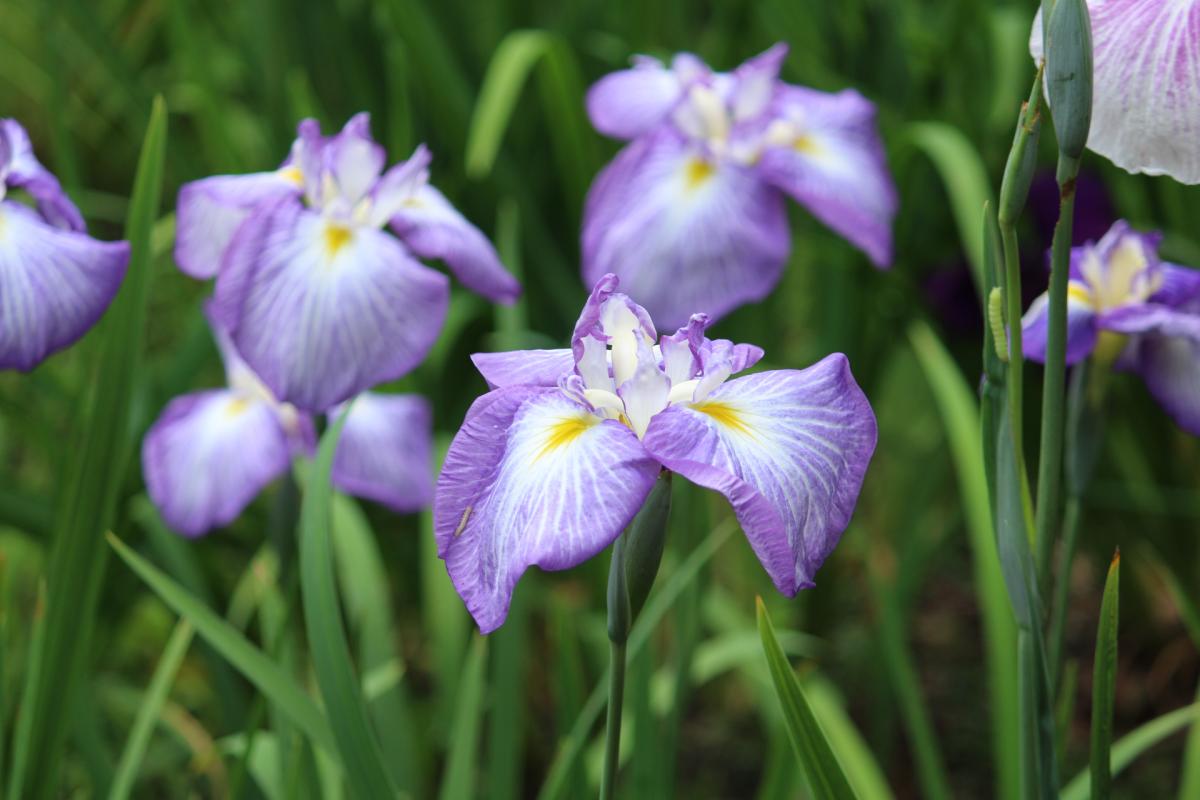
column 754, row 82
column 356, row 160
column 524, row 367
column 25, row 172
column 831, row 160
column 681, row 351
column 209, row 212
column 55, row 284
column 1180, row 285
column 386, row 451
column 532, row 479
column 789, row 449
column 1170, row 366
column 738, row 356
column 208, row 455
column 606, row 313
column 684, row 234
column 1152, row 318
column 322, row 312
column 627, row 103
column 1146, row 95
column 432, row 228
column 1081, row 326
column 399, row 185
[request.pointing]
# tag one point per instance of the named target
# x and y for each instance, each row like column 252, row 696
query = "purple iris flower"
column 1126, row 306
column 552, row 464
column 55, row 280
column 1145, row 96
column 210, row 453
column 318, row 299
column 692, row 213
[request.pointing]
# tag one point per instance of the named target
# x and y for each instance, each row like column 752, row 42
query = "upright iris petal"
column 692, row 214
column 547, row 469
column 55, row 280
column 1146, row 95
column 1127, row 307
column 319, row 298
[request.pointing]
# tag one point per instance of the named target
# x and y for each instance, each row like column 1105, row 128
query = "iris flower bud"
column 1069, row 77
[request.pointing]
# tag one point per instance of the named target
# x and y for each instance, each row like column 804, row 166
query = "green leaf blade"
column 1104, row 683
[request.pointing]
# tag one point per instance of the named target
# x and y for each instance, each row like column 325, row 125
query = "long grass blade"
column 459, row 779
column 1104, row 683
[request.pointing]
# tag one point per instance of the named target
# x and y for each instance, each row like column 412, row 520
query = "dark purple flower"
column 552, row 464
column 692, row 213
column 55, row 280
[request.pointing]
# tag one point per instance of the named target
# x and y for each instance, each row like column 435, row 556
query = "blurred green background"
column 890, row 640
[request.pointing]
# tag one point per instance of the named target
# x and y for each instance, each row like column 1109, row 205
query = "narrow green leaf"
column 459, row 777
column 33, row 676
column 260, row 670
column 148, row 711
column 362, row 759
column 510, row 648
column 93, row 481
column 1126, row 749
column 1104, row 683
column 862, row 769
column 817, row 759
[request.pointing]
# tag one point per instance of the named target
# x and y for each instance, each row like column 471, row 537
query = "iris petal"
column 524, row 367
column 532, row 478
column 25, row 172
column 208, row 455
column 322, row 312
column 54, row 285
column 627, row 103
column 1170, row 366
column 1081, row 327
column 385, row 452
column 789, row 449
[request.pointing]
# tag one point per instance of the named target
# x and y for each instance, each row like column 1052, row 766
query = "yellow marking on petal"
column 336, row 237
column 237, row 406
column 292, row 174
column 696, row 173
column 807, row 145
column 725, row 414
column 1077, row 291
column 565, row 431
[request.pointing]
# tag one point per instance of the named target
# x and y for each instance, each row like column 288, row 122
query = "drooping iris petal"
column 532, row 478
column 789, row 449
column 524, row 367
column 827, row 154
column 54, row 285
column 208, row 455
column 322, row 312
column 683, row 233
column 25, row 172
column 1179, row 285
column 1170, row 366
column 629, row 102
column 1152, row 318
column 209, row 212
column 432, row 228
column 385, row 452
column 1081, row 327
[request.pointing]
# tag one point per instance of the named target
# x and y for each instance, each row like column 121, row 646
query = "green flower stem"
column 612, row 735
column 1058, row 623
column 1016, row 357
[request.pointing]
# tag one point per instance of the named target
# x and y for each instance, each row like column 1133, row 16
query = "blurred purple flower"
column 692, row 213
column 320, row 301
column 1145, row 97
column 211, row 452
column 552, row 464
column 1127, row 306
column 55, row 280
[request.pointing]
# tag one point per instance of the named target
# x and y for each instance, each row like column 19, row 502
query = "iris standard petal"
column 208, row 455
column 1081, row 326
column 684, row 234
column 627, row 103
column 385, row 453
column 1146, row 85
column 209, row 212
column 432, row 228
column 789, row 449
column 322, row 312
column 54, row 285
column 25, row 172
column 532, row 478
column 829, row 157
column 524, row 367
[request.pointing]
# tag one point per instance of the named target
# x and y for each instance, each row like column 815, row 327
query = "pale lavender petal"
column 320, row 312
column 789, row 449
column 55, row 284
column 685, row 235
column 532, row 478
column 524, row 367
column 1180, row 285
column 209, row 212
column 1170, row 366
column 385, row 453
column 208, row 455
column 831, row 160
column 627, row 103
column 722, row 351
column 1152, row 318
column 1081, row 328
column 25, row 172
column 608, row 312
column 681, row 350
column 355, row 159
column 1146, row 85
column 432, row 228
column 754, row 82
